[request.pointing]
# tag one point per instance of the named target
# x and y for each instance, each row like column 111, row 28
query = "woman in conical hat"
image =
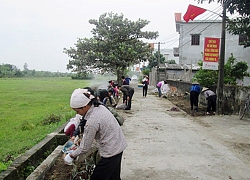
column 204, row 89
column 195, row 82
column 211, row 99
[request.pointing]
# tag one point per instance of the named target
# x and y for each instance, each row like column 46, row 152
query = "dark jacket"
column 126, row 89
column 128, row 80
column 102, row 93
column 80, row 128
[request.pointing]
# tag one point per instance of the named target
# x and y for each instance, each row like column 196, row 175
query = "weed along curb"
column 24, row 165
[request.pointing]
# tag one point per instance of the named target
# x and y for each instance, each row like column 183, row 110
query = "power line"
column 218, row 9
column 199, row 33
column 209, row 17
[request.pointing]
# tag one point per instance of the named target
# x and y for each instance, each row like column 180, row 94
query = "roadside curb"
column 40, row 171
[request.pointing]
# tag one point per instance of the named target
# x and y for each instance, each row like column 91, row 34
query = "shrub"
column 51, row 119
column 27, row 126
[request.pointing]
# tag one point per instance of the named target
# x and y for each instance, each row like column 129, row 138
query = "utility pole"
column 158, row 61
column 219, row 102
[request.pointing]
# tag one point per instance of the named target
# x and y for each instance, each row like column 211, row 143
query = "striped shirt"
column 102, row 126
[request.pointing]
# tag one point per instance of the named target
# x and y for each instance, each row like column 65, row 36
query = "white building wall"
column 192, row 54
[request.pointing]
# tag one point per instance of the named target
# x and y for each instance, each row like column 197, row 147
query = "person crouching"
column 102, row 126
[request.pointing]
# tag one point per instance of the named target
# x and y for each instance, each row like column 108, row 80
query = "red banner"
column 211, row 49
column 211, row 53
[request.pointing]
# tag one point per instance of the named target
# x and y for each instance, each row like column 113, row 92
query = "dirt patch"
column 184, row 104
column 243, row 148
column 80, row 171
column 59, row 171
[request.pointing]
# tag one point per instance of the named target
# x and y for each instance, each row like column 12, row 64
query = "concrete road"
column 165, row 144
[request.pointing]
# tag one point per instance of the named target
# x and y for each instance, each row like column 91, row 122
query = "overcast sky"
column 36, row 31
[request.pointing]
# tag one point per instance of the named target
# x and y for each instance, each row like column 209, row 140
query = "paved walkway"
column 164, row 144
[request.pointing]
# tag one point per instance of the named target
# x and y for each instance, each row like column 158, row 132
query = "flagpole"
column 219, row 101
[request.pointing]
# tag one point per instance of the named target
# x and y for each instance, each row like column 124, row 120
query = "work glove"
column 68, row 160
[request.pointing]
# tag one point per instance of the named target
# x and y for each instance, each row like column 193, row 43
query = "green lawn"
column 24, row 104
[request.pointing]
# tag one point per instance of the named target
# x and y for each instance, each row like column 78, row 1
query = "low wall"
column 233, row 96
column 44, row 167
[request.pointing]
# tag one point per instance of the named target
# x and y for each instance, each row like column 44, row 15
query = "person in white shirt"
column 102, row 126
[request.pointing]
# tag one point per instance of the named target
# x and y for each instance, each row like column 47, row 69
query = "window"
column 242, row 39
column 195, row 39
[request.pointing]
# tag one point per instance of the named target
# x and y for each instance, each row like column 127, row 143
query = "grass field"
column 25, row 104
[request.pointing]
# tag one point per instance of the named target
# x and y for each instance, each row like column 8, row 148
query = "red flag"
column 193, row 12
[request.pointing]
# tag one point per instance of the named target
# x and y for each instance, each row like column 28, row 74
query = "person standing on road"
column 128, row 93
column 211, row 99
column 145, row 83
column 124, row 82
column 195, row 91
column 102, row 126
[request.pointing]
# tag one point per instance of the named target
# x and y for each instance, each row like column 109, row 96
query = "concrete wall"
column 234, row 96
column 170, row 74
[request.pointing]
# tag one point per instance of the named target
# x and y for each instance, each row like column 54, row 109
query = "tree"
column 9, row 71
column 206, row 77
column 146, row 72
column 239, row 25
column 80, row 61
column 234, row 70
column 171, row 61
column 153, row 60
column 116, row 44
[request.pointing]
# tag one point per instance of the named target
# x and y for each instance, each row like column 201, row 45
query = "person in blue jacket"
column 128, row 79
column 195, row 91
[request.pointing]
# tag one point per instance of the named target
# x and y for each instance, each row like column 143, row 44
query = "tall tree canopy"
column 116, row 44
column 239, row 25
